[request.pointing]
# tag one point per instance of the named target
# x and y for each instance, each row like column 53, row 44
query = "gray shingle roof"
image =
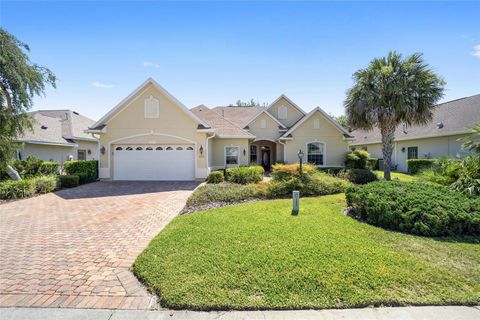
column 449, row 118
column 240, row 116
column 58, row 126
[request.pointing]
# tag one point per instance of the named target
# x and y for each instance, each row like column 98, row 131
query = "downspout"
column 206, row 151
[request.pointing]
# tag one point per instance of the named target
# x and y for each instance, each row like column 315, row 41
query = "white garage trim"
column 151, row 133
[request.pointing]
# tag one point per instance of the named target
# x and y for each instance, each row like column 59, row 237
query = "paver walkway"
column 73, row 248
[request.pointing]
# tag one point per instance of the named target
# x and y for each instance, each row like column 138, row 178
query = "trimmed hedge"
column 215, row 177
column 357, row 159
column 373, row 163
column 416, row 208
column 309, row 185
column 48, row 167
column 331, row 170
column 223, row 192
column 45, row 184
column 90, row 167
column 29, row 167
column 13, row 189
column 244, row 175
column 283, row 172
column 69, row 181
column 82, row 177
column 417, row 165
column 358, row 176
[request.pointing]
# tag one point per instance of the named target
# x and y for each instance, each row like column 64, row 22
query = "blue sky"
column 218, row 52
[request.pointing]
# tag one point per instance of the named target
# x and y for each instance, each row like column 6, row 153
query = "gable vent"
column 43, row 127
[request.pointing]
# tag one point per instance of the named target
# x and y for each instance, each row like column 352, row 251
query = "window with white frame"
column 253, row 154
column 263, row 123
column 316, row 123
column 315, row 153
column 231, row 156
column 152, row 108
column 282, row 112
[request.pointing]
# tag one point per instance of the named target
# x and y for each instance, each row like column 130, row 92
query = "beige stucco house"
column 150, row 135
column 440, row 137
column 58, row 135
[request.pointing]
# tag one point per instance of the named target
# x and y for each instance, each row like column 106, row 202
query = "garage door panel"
column 156, row 164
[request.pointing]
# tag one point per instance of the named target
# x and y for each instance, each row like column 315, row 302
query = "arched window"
column 159, row 148
column 189, row 148
column 263, row 123
column 139, row 148
column 129, row 149
column 316, row 123
column 282, row 112
column 149, row 148
column 169, row 148
column 316, row 153
column 118, row 149
column 179, row 148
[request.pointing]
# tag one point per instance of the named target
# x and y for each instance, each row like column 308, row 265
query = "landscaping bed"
column 258, row 256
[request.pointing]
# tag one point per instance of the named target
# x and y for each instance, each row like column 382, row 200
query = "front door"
column 266, row 158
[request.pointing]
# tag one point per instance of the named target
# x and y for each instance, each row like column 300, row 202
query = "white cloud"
column 476, row 51
column 101, row 85
column 150, row 64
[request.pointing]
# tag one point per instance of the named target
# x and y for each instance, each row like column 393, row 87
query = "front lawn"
column 398, row 176
column 259, row 256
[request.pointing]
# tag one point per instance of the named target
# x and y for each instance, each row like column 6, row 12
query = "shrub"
column 215, row 177
column 373, row 163
column 12, row 189
column 223, row 192
column 417, row 165
column 468, row 181
column 69, row 181
column 331, row 170
column 308, row 185
column 48, row 168
column 82, row 177
column 356, row 159
column 244, row 175
column 90, row 167
column 45, row 184
column 29, row 167
column 283, row 172
column 358, row 176
column 416, row 208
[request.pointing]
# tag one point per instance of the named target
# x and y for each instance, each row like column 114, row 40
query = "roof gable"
column 282, row 96
column 144, row 86
column 324, row 115
column 269, row 115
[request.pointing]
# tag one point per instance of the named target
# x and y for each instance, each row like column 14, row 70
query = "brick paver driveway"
column 73, row 248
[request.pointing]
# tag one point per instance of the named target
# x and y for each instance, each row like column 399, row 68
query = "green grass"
column 259, row 256
column 398, row 175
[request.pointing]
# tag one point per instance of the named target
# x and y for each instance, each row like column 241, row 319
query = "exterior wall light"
column 201, row 150
column 102, row 150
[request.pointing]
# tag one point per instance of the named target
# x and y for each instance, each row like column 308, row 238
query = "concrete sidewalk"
column 403, row 313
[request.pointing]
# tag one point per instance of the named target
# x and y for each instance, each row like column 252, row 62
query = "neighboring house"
column 440, row 137
column 57, row 135
column 150, row 135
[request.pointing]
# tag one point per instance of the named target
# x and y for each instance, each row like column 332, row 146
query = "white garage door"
column 154, row 162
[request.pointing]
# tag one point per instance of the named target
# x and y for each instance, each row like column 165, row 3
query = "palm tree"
column 391, row 91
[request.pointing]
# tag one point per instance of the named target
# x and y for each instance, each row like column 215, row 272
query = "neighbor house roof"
column 449, row 118
column 224, row 128
column 61, row 127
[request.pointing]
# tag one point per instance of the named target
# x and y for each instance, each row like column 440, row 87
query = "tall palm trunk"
column 388, row 134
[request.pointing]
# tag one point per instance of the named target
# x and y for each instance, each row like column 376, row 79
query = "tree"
column 392, row 91
column 472, row 142
column 343, row 121
column 251, row 103
column 20, row 81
